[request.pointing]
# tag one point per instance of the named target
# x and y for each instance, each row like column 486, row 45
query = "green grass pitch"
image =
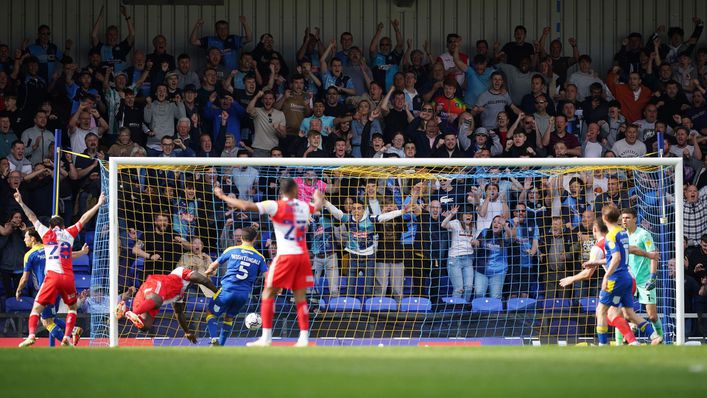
column 355, row 372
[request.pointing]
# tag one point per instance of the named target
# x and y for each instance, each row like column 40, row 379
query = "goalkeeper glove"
column 650, row 285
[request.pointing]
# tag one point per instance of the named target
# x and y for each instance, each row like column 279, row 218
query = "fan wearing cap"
column 482, row 138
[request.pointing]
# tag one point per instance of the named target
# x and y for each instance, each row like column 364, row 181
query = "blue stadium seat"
column 520, row 304
column 82, row 264
column 563, row 328
column 196, row 304
column 344, row 304
column 322, row 286
column 454, row 300
column 82, row 281
column 407, row 285
column 588, row 304
column 557, row 305
column 415, row 304
column 487, row 305
column 453, row 305
column 380, row 304
column 343, row 283
column 24, row 304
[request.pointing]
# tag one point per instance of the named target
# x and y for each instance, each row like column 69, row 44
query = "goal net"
column 406, row 251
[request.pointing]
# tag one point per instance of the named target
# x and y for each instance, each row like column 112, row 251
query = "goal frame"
column 116, row 162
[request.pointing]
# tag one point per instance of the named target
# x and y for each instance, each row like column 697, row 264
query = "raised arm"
column 302, row 51
column 96, row 27
column 247, row 32
column 201, row 279
column 399, row 40
column 335, row 212
column 450, row 214
column 318, row 201
column 88, row 215
column 373, row 47
column 243, row 205
column 131, row 26
column 458, row 62
column 28, row 212
column 323, row 66
column 195, row 40
column 253, row 101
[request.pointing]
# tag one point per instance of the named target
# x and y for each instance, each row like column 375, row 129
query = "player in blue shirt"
column 618, row 286
column 243, row 266
column 35, row 260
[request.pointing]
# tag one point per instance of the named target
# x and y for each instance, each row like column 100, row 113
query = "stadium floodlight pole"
column 113, row 250
column 116, row 162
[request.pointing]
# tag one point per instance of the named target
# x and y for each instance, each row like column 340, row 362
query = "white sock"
column 267, row 334
column 304, row 334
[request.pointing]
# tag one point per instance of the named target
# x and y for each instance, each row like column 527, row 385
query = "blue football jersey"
column 243, row 265
column 616, row 242
column 35, row 260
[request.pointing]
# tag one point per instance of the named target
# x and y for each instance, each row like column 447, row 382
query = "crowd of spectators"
column 526, row 98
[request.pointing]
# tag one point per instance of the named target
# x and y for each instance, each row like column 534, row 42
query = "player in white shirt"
column 291, row 267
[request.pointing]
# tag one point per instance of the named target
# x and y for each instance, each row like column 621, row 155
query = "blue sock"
column 60, row 322
column 56, row 330
column 603, row 334
column 646, row 328
column 225, row 332
column 212, row 325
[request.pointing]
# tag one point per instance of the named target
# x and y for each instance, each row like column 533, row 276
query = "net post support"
column 679, row 257
column 113, row 250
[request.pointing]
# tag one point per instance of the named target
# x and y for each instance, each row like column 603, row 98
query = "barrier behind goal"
column 410, row 279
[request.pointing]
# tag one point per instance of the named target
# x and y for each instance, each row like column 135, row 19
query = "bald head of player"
column 288, row 188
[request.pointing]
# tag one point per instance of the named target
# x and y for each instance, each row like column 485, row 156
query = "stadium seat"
column 196, row 304
column 588, row 304
column 82, row 281
column 380, row 304
column 82, row 264
column 487, row 305
column 563, row 328
column 453, row 305
column 407, row 285
column 322, row 286
column 454, row 300
column 557, row 305
column 415, row 304
column 520, row 304
column 343, row 284
column 344, row 304
column 24, row 304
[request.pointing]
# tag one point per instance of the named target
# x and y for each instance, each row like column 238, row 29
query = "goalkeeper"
column 643, row 269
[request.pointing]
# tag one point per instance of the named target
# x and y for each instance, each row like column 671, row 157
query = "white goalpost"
column 116, row 164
